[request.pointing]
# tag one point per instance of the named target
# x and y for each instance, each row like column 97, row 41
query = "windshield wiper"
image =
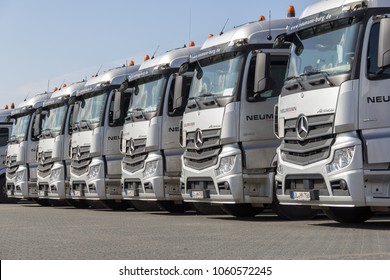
column 194, row 105
column 140, row 112
column 209, row 94
column 86, row 122
column 13, row 139
column 297, row 79
column 322, row 73
column 47, row 132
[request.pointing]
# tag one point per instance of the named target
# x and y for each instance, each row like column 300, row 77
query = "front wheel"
column 242, row 210
column 349, row 214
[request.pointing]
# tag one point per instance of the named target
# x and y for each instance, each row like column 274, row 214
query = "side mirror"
column 384, row 44
column 76, row 108
column 179, row 92
column 261, row 71
column 37, row 125
column 117, row 106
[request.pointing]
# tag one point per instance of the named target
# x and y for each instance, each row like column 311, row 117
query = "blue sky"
column 46, row 42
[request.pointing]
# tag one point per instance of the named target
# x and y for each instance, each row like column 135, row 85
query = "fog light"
column 341, row 159
column 93, row 171
column 150, row 168
column 279, row 169
column 226, row 165
column 55, row 174
column 20, row 175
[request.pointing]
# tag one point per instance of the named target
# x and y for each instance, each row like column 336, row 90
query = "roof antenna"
column 26, row 96
column 269, row 37
column 48, row 86
column 62, row 84
column 155, row 51
column 97, row 73
column 223, row 28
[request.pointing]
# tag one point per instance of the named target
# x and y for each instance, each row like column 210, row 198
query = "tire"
column 293, row 212
column 204, row 208
column 349, row 214
column 174, row 208
column 42, row 201
column 3, row 190
column 118, row 205
column 78, row 203
column 146, row 205
column 242, row 210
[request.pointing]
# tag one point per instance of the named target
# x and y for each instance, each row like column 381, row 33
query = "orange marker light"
column 192, row 44
column 290, row 11
column 6, row 107
column 55, row 88
column 64, row 85
column 146, row 57
column 211, row 35
column 261, row 18
column 12, row 105
column 131, row 63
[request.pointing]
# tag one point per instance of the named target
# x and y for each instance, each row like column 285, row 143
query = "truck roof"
column 255, row 32
column 173, row 58
column 115, row 76
column 32, row 103
column 4, row 113
column 64, row 92
column 325, row 5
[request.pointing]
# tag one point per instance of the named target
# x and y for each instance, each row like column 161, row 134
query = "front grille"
column 135, row 155
column 204, row 155
column 45, row 161
column 316, row 145
column 11, row 171
column 80, row 159
column 44, row 169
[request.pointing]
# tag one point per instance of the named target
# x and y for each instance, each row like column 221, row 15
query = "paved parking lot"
column 29, row 231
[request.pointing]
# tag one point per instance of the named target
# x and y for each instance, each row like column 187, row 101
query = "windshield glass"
column 54, row 118
column 147, row 94
column 327, row 48
column 218, row 75
column 91, row 108
column 20, row 127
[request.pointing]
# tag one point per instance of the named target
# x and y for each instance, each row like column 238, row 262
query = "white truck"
column 151, row 164
column 227, row 127
column 55, row 133
column 333, row 112
column 5, row 131
column 20, row 159
column 95, row 172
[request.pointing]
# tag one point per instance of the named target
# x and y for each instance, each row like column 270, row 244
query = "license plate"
column 132, row 193
column 42, row 193
column 77, row 193
column 301, row 196
column 197, row 194
column 10, row 193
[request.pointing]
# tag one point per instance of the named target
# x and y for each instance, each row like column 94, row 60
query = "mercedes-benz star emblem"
column 198, row 138
column 132, row 145
column 78, row 152
column 302, row 127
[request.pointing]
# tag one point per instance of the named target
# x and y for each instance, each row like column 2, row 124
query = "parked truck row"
column 288, row 114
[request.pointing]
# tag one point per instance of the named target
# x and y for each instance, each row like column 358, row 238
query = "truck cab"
column 227, row 126
column 333, row 110
column 22, row 149
column 95, row 171
column 55, row 133
column 151, row 166
column 5, row 132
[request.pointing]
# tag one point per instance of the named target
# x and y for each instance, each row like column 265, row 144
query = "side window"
column 372, row 55
column 275, row 83
column 124, row 107
column 4, row 135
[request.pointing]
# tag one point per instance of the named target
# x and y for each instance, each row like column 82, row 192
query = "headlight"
column 150, row 168
column 93, row 171
column 55, row 174
column 20, row 175
column 226, row 165
column 342, row 158
column 279, row 169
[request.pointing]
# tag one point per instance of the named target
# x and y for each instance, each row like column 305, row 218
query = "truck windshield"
column 20, row 128
column 54, row 118
column 218, row 75
column 91, row 109
column 327, row 48
column 147, row 94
